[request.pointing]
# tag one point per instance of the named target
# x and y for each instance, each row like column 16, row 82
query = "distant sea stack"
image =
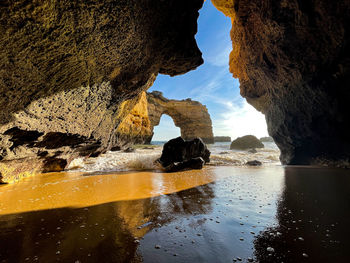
column 222, row 139
column 246, row 142
column 190, row 116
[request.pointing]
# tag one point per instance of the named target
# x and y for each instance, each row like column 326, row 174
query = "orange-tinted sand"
column 57, row 190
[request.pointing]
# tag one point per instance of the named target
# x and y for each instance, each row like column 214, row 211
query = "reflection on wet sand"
column 222, row 214
column 103, row 233
column 57, row 190
column 313, row 218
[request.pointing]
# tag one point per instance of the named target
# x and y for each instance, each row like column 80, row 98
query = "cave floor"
column 218, row 214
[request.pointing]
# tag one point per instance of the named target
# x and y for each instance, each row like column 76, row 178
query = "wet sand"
column 219, row 214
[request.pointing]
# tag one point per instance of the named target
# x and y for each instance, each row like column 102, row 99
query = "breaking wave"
column 143, row 158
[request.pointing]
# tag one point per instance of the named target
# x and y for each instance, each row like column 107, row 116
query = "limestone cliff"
column 292, row 61
column 71, row 71
column 136, row 127
column 190, row 116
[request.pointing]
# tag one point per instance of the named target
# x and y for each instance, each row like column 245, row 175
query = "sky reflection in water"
column 216, row 215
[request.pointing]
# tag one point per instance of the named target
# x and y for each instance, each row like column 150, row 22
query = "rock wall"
column 136, row 127
column 191, row 116
column 71, row 71
column 292, row 61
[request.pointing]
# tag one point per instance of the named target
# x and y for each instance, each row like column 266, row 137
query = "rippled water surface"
column 218, row 214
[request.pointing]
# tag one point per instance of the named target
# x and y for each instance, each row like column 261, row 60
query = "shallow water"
column 218, row 214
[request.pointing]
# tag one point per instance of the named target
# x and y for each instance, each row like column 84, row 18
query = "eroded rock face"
column 191, row 116
column 292, row 60
column 136, row 127
column 73, row 70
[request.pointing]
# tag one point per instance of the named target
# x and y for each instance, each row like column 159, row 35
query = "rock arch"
column 190, row 116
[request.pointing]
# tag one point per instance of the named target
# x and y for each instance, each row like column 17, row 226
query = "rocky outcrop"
column 136, row 127
column 246, row 142
column 179, row 154
column 292, row 61
column 191, row 116
column 222, row 139
column 71, row 71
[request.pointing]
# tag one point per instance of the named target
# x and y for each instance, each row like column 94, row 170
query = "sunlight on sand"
column 57, row 190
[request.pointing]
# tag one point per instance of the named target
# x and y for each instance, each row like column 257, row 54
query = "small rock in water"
column 270, row 249
column 301, row 239
column 129, row 150
column 157, row 246
column 305, row 255
column 254, row 163
column 241, row 239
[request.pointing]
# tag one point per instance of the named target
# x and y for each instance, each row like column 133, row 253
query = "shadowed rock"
column 75, row 69
column 292, row 61
column 254, row 163
column 179, row 154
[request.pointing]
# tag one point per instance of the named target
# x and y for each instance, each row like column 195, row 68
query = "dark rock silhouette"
column 179, row 154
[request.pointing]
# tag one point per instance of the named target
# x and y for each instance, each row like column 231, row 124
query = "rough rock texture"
column 191, row 116
column 179, row 154
column 222, row 139
column 136, row 127
column 71, row 71
column 292, row 60
column 246, row 142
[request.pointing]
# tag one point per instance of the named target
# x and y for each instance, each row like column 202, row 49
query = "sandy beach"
column 218, row 214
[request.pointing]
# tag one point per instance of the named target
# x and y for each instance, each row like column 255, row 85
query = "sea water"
column 144, row 157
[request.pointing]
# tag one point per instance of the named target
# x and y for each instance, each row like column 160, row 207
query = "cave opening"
column 212, row 83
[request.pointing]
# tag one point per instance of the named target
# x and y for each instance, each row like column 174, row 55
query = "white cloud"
column 240, row 120
column 220, row 56
column 209, row 86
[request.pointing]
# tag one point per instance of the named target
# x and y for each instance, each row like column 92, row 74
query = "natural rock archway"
column 190, row 116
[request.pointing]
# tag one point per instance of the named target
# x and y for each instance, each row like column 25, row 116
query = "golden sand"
column 57, row 190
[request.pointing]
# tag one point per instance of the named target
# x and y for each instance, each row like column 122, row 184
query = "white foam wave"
column 144, row 159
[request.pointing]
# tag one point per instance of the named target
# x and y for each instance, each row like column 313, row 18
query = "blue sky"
column 211, row 84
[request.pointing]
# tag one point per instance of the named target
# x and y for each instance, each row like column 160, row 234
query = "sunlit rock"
column 191, row 116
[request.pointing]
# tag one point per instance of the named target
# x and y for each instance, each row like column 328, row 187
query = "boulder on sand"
column 179, row 154
column 246, row 142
